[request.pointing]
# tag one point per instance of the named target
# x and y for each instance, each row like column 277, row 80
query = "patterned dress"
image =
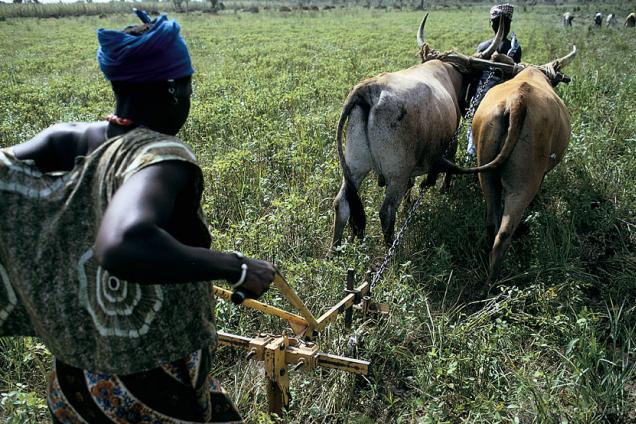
column 125, row 352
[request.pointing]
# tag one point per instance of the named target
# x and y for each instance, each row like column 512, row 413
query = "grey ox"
column 400, row 125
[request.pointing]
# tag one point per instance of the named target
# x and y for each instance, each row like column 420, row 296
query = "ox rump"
column 524, row 126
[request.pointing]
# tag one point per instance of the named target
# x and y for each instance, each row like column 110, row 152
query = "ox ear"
column 420, row 32
column 494, row 46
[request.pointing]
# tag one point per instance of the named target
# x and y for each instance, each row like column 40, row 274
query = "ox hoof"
column 484, row 291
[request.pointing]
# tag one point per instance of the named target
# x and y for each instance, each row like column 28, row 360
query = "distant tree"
column 178, row 3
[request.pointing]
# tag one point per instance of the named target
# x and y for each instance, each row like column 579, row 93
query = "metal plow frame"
column 279, row 352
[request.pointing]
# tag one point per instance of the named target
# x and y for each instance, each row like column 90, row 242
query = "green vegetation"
column 556, row 341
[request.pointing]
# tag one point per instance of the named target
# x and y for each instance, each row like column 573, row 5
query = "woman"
column 104, row 252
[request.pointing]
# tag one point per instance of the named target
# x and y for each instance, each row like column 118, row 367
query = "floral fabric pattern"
column 112, row 398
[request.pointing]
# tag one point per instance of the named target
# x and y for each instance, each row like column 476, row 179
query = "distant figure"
column 567, row 19
column 598, row 19
column 630, row 22
column 611, row 20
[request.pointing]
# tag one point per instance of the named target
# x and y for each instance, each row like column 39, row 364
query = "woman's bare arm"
column 56, row 148
column 133, row 244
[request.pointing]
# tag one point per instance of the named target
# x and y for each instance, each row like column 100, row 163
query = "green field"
column 555, row 342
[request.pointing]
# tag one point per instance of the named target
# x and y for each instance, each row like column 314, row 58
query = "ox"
column 525, row 124
column 598, row 19
column 611, row 20
column 630, row 22
column 567, row 19
column 400, row 126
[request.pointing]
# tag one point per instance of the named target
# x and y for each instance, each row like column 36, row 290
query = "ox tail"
column 517, row 110
column 357, row 219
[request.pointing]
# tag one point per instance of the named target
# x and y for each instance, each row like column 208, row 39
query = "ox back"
column 526, row 115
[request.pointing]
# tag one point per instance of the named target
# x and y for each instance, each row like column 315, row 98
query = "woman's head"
column 150, row 70
column 161, row 106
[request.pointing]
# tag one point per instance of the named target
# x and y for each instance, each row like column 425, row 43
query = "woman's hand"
column 260, row 275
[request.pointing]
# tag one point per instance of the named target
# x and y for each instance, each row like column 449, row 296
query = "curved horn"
column 494, row 46
column 420, row 32
column 564, row 61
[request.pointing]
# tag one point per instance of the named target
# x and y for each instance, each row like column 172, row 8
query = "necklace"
column 123, row 122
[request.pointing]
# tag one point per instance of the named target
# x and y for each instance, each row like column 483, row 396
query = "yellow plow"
column 280, row 352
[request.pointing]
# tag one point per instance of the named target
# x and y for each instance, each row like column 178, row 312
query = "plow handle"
column 240, row 294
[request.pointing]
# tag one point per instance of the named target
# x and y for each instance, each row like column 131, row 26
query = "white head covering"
column 504, row 10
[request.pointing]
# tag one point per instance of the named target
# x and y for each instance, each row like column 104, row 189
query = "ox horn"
column 559, row 64
column 494, row 46
column 420, row 32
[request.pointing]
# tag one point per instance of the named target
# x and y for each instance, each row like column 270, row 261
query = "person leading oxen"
column 500, row 14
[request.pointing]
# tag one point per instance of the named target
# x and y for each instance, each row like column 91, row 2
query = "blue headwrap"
column 160, row 54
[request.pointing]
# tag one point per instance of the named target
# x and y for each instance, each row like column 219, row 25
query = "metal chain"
column 474, row 102
column 396, row 241
column 409, row 217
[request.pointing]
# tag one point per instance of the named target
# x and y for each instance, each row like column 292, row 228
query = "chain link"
column 468, row 117
column 474, row 102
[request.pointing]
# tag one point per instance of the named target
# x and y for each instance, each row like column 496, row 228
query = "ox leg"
column 514, row 206
column 394, row 193
column 343, row 209
column 491, row 187
column 409, row 191
column 342, row 213
column 451, row 153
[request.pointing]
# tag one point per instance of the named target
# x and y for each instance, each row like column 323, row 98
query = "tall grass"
column 555, row 342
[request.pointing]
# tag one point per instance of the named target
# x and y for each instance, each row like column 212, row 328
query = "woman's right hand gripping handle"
column 256, row 277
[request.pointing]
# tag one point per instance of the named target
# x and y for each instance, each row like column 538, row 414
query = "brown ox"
column 400, row 125
column 526, row 120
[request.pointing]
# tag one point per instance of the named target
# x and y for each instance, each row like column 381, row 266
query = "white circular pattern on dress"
column 8, row 299
column 117, row 307
column 113, row 283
